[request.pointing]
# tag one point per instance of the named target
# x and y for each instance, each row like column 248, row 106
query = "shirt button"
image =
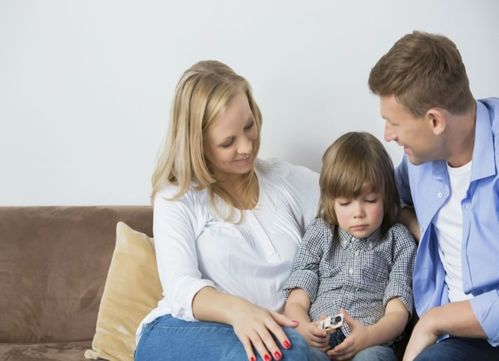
column 356, row 253
column 350, row 270
column 440, row 194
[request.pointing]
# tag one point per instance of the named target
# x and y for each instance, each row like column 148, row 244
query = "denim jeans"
column 374, row 353
column 168, row 338
column 460, row 349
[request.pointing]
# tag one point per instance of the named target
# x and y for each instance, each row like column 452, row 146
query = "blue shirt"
column 426, row 188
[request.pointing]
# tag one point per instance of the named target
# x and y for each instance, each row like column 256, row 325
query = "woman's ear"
column 437, row 120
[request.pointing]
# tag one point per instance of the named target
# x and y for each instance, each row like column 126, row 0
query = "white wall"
column 85, row 86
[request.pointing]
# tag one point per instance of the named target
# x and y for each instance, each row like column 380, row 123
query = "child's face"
column 360, row 216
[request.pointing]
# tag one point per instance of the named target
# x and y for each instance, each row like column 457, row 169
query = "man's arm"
column 456, row 319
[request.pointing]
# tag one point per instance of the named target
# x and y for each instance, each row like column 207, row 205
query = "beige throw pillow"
column 132, row 289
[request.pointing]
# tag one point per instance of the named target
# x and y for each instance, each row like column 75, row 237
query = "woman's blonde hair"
column 356, row 160
column 202, row 93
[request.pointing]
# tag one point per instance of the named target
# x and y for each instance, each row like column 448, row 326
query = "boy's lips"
column 359, row 227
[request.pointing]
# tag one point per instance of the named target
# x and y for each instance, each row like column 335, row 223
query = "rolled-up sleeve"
column 486, row 309
column 305, row 272
column 400, row 279
column 175, row 243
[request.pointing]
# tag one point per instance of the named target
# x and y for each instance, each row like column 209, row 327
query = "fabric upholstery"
column 132, row 289
column 66, row 351
column 53, row 266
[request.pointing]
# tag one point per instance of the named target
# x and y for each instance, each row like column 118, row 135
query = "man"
column 449, row 175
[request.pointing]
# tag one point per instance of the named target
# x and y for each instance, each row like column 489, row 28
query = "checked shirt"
column 360, row 275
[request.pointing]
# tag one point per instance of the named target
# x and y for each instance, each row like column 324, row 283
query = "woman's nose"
column 245, row 146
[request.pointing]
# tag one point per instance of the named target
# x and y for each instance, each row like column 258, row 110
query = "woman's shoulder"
column 171, row 192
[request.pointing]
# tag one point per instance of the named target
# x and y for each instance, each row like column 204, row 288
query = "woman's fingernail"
column 252, row 358
column 286, row 344
column 277, row 355
column 266, row 357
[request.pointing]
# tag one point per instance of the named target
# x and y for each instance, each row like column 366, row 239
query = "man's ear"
column 437, row 119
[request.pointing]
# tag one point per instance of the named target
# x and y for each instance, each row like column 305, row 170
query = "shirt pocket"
column 331, row 277
column 375, row 270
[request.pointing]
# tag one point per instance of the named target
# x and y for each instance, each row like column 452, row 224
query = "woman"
column 226, row 228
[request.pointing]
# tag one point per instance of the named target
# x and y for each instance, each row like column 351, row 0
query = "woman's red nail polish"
column 277, row 355
column 286, row 344
column 266, row 357
column 252, row 358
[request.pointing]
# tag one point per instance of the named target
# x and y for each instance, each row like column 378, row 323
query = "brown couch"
column 53, row 266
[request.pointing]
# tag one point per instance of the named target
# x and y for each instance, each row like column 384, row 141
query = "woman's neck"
column 244, row 194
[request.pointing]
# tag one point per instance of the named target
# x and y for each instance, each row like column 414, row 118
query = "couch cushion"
column 66, row 351
column 132, row 290
column 53, row 265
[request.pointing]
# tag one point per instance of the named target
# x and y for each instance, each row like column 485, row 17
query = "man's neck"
column 461, row 138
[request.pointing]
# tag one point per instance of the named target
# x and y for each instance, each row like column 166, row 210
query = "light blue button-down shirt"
column 426, row 187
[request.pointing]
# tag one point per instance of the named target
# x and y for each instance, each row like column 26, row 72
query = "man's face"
column 414, row 134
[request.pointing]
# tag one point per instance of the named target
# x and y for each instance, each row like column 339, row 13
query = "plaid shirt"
column 360, row 275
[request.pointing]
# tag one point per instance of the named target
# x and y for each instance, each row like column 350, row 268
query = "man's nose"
column 389, row 134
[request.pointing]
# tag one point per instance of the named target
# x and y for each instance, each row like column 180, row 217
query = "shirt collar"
column 483, row 149
column 345, row 238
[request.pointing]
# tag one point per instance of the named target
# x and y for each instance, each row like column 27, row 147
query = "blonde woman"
column 226, row 228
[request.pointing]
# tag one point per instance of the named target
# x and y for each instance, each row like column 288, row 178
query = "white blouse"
column 196, row 247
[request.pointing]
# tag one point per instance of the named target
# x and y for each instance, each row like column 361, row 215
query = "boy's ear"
column 437, row 120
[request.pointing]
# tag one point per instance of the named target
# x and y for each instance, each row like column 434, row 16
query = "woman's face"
column 229, row 142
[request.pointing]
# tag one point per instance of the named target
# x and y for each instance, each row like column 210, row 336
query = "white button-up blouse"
column 196, row 247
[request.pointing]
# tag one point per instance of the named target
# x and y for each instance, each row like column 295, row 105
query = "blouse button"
column 356, row 253
column 350, row 270
column 440, row 194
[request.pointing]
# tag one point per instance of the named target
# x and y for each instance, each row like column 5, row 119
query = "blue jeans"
column 460, row 349
column 374, row 353
column 168, row 338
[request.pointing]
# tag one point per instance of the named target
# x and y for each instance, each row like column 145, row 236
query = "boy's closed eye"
column 343, row 201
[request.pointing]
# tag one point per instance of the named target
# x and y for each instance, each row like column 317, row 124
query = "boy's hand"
column 314, row 334
column 356, row 341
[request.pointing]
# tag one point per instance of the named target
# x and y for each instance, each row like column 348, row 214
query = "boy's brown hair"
column 422, row 71
column 353, row 161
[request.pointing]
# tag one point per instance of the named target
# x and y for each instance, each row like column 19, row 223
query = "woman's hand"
column 356, row 341
column 258, row 328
